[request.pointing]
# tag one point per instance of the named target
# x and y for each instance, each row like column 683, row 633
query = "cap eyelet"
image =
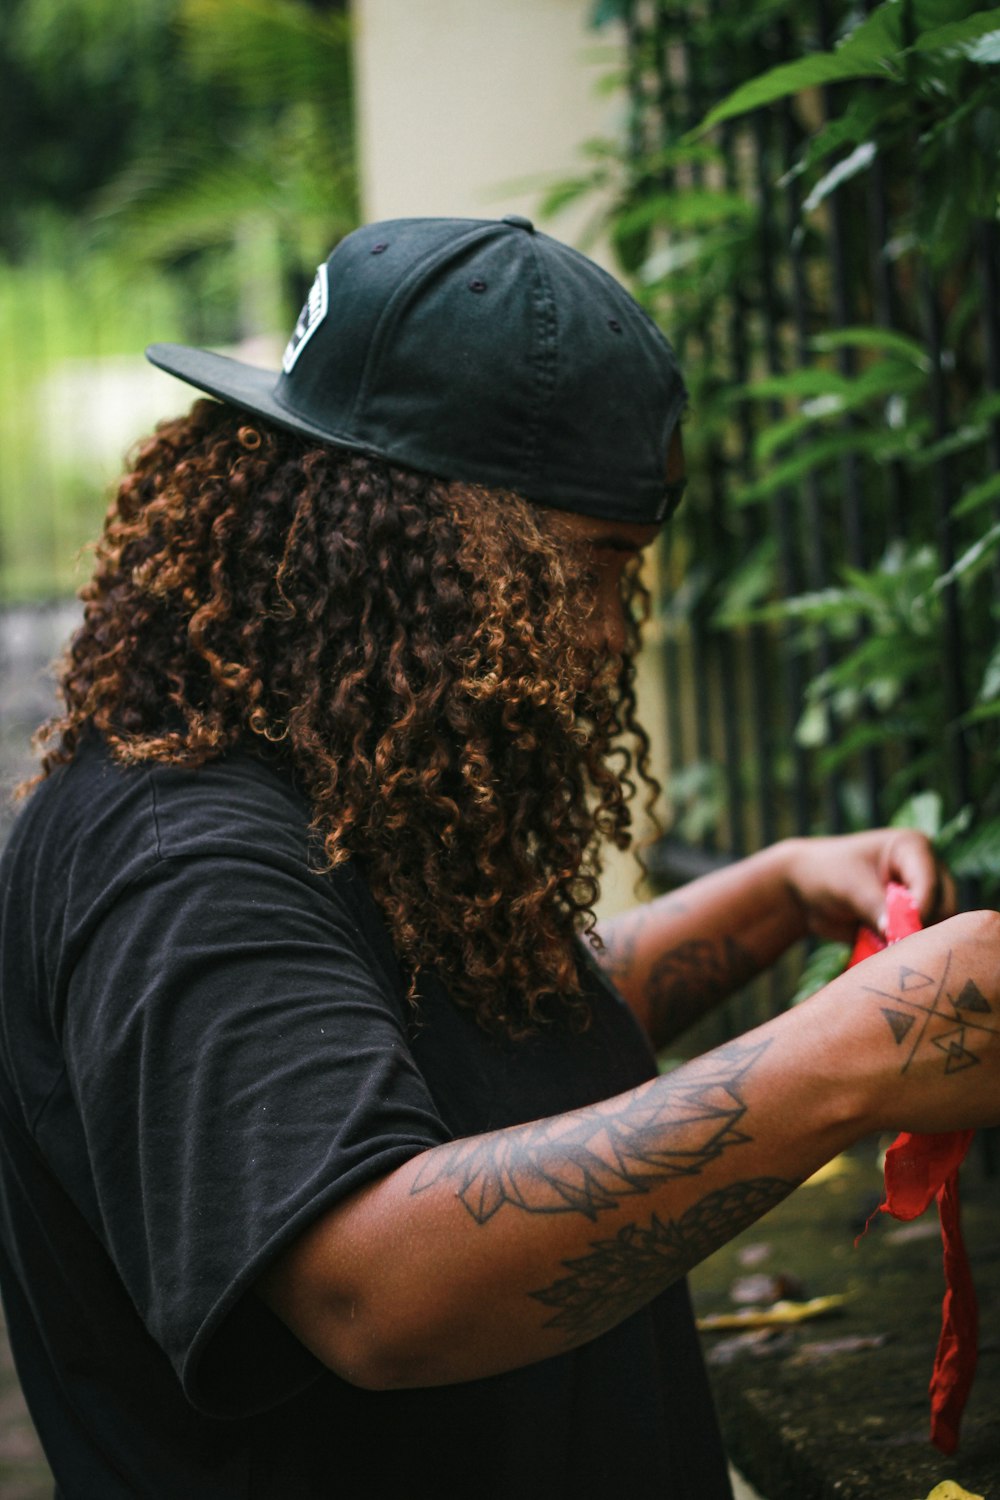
column 377, row 249
column 476, row 285
column 614, row 325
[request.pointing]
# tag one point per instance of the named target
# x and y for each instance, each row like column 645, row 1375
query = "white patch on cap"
column 311, row 316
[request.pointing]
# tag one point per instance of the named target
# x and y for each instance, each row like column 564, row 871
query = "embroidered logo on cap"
column 311, row 316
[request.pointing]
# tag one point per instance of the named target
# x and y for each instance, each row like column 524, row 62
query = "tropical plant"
column 812, row 214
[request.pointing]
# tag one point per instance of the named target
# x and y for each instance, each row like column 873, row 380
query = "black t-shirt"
column 204, row 1045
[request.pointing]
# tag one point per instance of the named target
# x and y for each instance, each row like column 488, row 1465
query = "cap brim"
column 244, row 386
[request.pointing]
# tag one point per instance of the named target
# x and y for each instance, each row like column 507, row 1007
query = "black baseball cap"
column 477, row 350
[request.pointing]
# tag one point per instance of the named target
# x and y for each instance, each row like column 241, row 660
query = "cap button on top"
column 518, row 221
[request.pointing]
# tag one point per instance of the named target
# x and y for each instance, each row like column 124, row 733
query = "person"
column 335, row 1156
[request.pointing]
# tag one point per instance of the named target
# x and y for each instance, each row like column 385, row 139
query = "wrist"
column 786, row 860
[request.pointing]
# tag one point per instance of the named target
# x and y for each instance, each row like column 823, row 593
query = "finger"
column 947, row 896
column 911, row 860
column 866, row 899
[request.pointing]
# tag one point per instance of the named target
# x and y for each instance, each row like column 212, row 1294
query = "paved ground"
column 838, row 1409
column 24, row 1474
column 29, row 640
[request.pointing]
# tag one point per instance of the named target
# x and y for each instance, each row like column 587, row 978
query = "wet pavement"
column 24, row 1474
column 837, row 1408
column 29, row 640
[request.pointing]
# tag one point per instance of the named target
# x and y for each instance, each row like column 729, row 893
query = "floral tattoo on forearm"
column 588, row 1161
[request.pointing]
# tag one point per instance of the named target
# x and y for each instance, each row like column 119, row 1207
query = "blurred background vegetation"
column 803, row 192
column 806, row 197
column 172, row 169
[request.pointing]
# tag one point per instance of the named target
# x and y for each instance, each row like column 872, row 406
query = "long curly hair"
column 411, row 649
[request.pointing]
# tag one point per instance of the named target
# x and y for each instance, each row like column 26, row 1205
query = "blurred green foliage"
column 172, row 169
column 813, row 219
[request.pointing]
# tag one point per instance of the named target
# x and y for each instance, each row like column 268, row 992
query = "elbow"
column 378, row 1354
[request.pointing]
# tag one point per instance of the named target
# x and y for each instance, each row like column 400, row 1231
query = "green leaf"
column 674, row 257
column 817, row 455
column 863, row 337
column 956, row 32
column 605, row 12
column 562, row 194
column 980, row 494
column 791, row 78
column 989, row 688
column 681, row 210
column 873, row 114
column 819, row 607
column 979, row 854
column 859, row 161
column 986, row 51
column 983, row 712
column 811, row 380
column 820, row 969
column 986, row 407
column 751, row 581
column 966, row 437
column 974, row 558
column 923, row 811
column 867, row 735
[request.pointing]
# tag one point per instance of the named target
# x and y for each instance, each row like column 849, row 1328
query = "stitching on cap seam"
column 375, row 345
column 545, row 362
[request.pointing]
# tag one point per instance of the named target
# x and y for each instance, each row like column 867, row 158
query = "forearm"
column 509, row 1247
column 493, row 1252
column 676, row 957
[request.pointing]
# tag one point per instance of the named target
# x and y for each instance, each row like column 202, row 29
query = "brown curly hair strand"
column 410, row 648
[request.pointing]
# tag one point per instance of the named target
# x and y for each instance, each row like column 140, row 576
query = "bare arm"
column 674, row 958
column 493, row 1252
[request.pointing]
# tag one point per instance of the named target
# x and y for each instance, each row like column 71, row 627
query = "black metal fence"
column 880, row 491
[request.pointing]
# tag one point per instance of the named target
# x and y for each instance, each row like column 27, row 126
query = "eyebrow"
column 614, row 543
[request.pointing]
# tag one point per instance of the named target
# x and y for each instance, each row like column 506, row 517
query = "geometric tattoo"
column 921, row 1011
column 621, row 1274
column 588, row 1160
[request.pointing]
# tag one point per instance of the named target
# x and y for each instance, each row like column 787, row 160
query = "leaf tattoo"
column 621, row 1274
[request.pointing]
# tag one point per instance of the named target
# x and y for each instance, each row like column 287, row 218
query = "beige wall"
column 466, row 107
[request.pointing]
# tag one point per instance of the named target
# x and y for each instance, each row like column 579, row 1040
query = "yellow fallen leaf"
column 778, row 1316
column 949, row 1490
column 838, row 1166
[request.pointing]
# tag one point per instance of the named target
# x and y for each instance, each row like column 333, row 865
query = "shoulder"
column 236, row 805
column 96, row 828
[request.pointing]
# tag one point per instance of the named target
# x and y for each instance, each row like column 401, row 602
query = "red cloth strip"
column 917, row 1169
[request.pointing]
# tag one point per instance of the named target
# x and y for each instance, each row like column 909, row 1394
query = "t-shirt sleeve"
column 240, row 1064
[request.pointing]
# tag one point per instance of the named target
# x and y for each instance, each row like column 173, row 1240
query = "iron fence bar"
column 659, row 868
column 721, row 646
column 790, row 570
column 988, row 257
column 850, row 467
column 815, row 555
column 884, row 309
column 943, row 493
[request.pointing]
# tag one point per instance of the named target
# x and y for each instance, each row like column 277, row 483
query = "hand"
column 840, row 881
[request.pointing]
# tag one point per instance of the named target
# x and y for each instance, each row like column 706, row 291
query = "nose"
column 610, row 625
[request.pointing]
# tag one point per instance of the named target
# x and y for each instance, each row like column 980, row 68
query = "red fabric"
column 917, row 1169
